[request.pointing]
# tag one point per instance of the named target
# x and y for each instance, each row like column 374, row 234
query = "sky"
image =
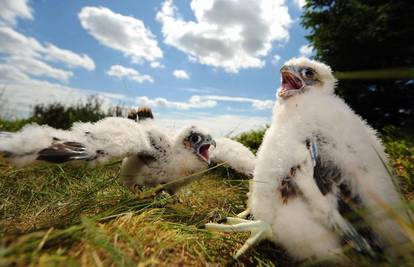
column 214, row 63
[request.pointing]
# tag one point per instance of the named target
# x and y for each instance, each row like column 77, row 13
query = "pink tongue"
column 290, row 83
column 204, row 152
column 287, row 86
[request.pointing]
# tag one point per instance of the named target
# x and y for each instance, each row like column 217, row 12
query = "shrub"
column 252, row 139
column 62, row 117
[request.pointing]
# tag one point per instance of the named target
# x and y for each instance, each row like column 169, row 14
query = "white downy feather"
column 350, row 143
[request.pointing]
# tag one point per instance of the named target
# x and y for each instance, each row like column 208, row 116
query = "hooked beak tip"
column 213, row 143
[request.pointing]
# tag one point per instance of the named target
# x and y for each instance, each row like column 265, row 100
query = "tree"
column 352, row 35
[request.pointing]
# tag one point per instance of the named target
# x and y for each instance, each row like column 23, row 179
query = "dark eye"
column 195, row 138
column 308, row 73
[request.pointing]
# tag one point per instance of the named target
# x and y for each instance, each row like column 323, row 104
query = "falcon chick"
column 152, row 154
column 320, row 182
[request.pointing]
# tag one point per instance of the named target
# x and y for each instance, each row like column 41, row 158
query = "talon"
column 259, row 231
column 222, row 220
column 244, row 214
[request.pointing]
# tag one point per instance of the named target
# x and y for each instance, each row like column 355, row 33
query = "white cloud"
column 194, row 102
column 123, row 33
column 71, row 59
column 300, row 3
column 121, row 71
column 18, row 98
column 19, row 93
column 10, row 74
column 156, row 65
column 202, row 102
column 256, row 103
column 306, row 50
column 181, row 74
column 227, row 34
column 34, row 67
column 207, row 90
column 218, row 125
column 10, row 10
column 14, row 44
column 276, row 59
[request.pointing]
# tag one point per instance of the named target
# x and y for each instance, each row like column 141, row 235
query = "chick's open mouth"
column 203, row 152
column 290, row 82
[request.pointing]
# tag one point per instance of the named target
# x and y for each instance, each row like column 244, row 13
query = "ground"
column 66, row 215
column 55, row 215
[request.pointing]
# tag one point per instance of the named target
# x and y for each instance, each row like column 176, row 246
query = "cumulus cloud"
column 218, row 125
column 34, row 67
column 194, row 102
column 71, row 59
column 11, row 10
column 306, row 50
column 132, row 74
column 276, row 59
column 181, row 74
column 202, row 102
column 18, row 100
column 256, row 103
column 20, row 93
column 226, row 34
column 30, row 56
column 12, row 42
column 156, row 65
column 123, row 33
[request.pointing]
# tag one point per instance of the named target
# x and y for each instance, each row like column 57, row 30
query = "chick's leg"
column 259, row 231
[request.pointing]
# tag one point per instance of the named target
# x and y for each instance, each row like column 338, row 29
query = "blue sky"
column 210, row 62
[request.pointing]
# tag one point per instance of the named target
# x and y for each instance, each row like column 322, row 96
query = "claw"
column 244, row 214
column 259, row 231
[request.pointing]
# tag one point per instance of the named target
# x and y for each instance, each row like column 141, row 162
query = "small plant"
column 252, row 139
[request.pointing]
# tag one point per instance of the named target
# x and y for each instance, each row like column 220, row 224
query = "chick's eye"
column 308, row 73
column 195, row 138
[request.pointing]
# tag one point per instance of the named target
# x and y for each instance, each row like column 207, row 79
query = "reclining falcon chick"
column 152, row 154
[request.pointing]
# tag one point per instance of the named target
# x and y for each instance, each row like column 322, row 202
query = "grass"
column 76, row 216
column 65, row 215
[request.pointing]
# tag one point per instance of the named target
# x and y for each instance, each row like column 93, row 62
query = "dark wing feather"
column 94, row 142
column 327, row 177
column 62, row 152
column 350, row 207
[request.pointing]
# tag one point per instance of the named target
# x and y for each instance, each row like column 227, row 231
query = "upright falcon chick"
column 152, row 155
column 320, row 183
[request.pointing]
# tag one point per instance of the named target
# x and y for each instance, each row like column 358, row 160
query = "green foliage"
column 400, row 148
column 13, row 126
column 62, row 117
column 252, row 139
column 367, row 35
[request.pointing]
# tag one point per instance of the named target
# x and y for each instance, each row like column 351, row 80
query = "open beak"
column 291, row 83
column 203, row 150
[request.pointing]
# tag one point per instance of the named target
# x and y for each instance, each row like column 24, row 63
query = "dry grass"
column 53, row 215
column 75, row 216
